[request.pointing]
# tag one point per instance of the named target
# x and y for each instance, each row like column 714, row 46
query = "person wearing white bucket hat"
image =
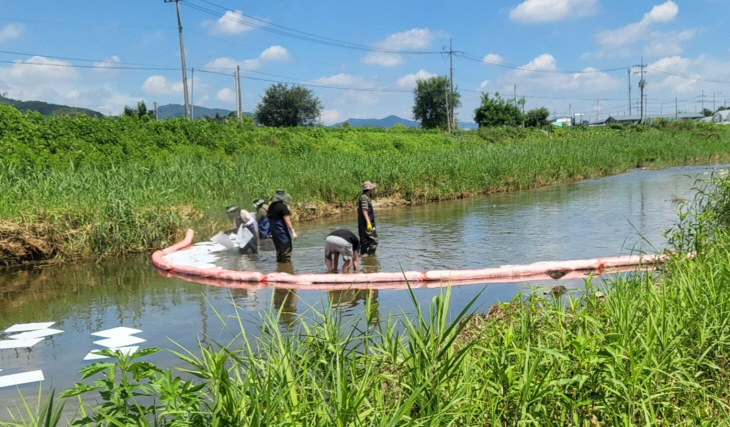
column 366, row 220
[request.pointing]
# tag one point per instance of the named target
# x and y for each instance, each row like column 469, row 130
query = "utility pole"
column 182, row 57
column 642, row 83
column 450, row 111
column 629, row 70
column 703, row 100
column 448, row 119
column 515, row 96
column 192, row 94
column 238, row 91
column 676, row 109
column 157, row 117
column 451, row 81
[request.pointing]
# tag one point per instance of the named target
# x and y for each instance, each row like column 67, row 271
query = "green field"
column 92, row 187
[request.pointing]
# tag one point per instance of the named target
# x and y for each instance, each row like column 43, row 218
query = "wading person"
column 241, row 218
column 282, row 232
column 263, row 222
column 366, row 220
column 341, row 243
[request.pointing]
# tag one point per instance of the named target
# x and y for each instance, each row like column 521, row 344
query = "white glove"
column 293, row 235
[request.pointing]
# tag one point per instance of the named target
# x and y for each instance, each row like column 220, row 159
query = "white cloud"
column 347, row 80
column 269, row 55
column 107, row 66
column 493, row 58
column 483, row 85
column 617, row 42
column 531, row 11
column 383, row 59
column 686, row 76
column 538, row 74
column 10, row 32
column 226, row 95
column 159, row 85
column 330, row 117
column 668, row 43
column 38, row 69
column 416, row 38
column 232, row 22
column 410, row 79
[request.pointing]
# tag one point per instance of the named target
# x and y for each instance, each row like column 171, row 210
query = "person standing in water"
column 366, row 220
column 262, row 210
column 282, row 231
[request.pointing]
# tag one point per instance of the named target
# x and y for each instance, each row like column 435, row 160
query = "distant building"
column 652, row 117
column 562, row 121
column 721, row 117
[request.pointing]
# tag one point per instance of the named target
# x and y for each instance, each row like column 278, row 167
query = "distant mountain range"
column 178, row 110
column 49, row 109
column 391, row 121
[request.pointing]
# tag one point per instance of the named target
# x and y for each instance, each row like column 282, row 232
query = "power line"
column 299, row 35
column 688, row 77
column 474, row 58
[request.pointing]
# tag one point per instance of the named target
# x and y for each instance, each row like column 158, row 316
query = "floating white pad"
column 5, row 344
column 23, row 327
column 40, row 333
column 94, row 354
column 121, row 331
column 117, row 342
column 23, row 378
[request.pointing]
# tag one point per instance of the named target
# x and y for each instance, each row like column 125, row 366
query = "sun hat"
column 280, row 196
column 257, row 202
column 367, row 185
column 231, row 208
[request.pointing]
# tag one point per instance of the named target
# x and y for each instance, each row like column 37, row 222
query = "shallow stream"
column 616, row 215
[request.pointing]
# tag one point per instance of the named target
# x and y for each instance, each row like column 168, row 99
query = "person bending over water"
column 241, row 218
column 345, row 243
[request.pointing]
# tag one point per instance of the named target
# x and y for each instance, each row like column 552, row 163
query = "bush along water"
column 94, row 187
column 653, row 351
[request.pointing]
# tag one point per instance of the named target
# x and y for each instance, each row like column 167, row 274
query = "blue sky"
column 362, row 58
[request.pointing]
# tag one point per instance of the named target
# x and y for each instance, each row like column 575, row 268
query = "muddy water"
column 603, row 217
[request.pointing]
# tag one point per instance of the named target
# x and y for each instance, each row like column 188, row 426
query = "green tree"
column 707, row 112
column 497, row 111
column 537, row 117
column 432, row 96
column 284, row 106
column 141, row 112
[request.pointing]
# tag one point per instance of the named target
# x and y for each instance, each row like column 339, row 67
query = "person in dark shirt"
column 366, row 220
column 345, row 243
column 282, row 232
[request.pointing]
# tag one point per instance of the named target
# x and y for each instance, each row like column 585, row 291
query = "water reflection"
column 285, row 302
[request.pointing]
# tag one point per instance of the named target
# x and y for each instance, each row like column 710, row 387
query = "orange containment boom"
column 325, row 281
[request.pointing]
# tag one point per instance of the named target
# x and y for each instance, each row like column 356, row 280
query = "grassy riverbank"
column 82, row 187
column 653, row 351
